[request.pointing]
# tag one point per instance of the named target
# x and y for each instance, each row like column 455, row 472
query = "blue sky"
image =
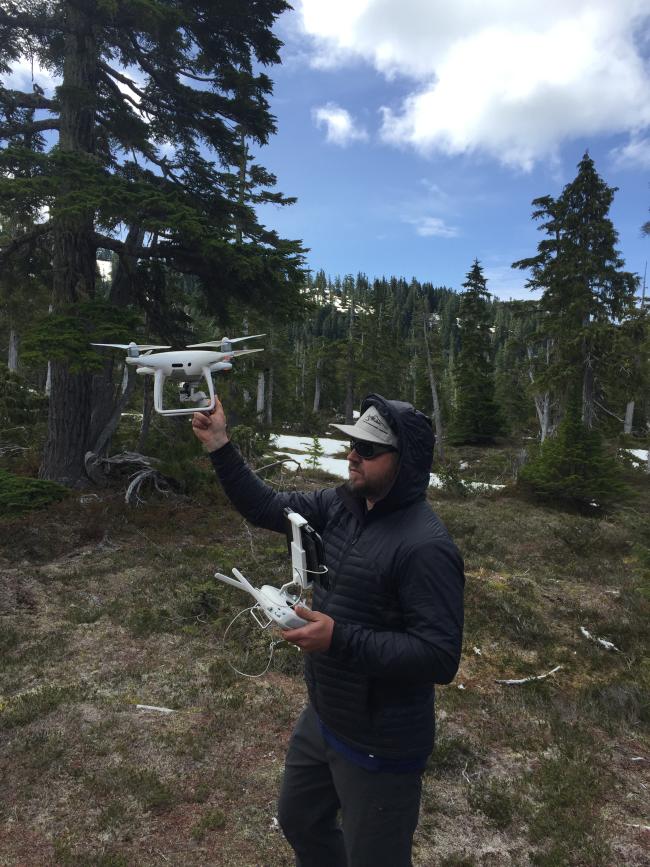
column 415, row 134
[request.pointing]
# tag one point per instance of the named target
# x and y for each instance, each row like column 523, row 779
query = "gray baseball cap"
column 372, row 427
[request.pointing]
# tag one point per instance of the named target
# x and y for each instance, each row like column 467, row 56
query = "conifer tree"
column 585, row 290
column 476, row 418
column 315, row 453
column 573, row 467
column 154, row 102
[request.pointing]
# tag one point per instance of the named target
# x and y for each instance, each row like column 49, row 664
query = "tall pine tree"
column 476, row 418
column 585, row 290
column 145, row 131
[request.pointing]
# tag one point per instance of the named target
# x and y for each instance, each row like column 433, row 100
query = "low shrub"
column 19, row 494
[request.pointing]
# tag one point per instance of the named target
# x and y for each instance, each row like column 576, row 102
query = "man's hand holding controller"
column 316, row 635
column 210, row 428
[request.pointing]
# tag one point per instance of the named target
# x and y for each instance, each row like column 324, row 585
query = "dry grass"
column 103, row 608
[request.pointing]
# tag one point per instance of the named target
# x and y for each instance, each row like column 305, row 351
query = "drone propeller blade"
column 138, row 346
column 227, row 340
column 243, row 352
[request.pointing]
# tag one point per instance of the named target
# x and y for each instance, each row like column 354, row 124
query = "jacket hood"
column 416, row 442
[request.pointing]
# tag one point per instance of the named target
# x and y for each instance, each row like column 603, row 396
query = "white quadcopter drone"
column 307, row 558
column 187, row 366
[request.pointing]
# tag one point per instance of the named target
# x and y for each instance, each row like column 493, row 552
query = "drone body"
column 187, row 366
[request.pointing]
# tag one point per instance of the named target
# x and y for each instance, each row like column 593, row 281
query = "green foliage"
column 573, row 467
column 476, row 418
column 315, row 452
column 68, row 334
column 142, row 784
column 451, row 481
column 30, row 706
column 496, row 800
column 20, row 494
column 251, row 441
column 212, row 820
column 19, row 403
column 585, row 290
column 569, row 786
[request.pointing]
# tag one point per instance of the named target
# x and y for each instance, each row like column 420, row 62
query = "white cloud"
column 510, row 78
column 340, row 127
column 428, row 227
column 25, row 72
column 634, row 154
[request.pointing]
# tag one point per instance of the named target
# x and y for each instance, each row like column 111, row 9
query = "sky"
column 416, row 134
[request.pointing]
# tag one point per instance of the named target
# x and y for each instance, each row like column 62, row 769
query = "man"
column 385, row 625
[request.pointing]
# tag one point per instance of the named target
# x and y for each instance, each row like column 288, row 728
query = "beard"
column 371, row 489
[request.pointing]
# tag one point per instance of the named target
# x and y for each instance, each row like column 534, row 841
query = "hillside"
column 104, row 607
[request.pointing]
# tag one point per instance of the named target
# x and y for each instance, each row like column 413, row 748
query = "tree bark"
column 12, row 355
column 588, row 396
column 437, row 414
column 259, row 406
column 269, row 399
column 629, row 416
column 350, row 379
column 102, row 443
column 318, row 385
column 74, row 250
column 542, row 399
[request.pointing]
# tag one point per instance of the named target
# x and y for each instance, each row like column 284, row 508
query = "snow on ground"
column 303, row 444
column 640, row 454
column 339, row 466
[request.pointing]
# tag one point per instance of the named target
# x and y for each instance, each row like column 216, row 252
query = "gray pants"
column 379, row 811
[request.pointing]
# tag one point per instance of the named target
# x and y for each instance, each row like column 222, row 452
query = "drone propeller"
column 134, row 349
column 244, row 351
column 225, row 342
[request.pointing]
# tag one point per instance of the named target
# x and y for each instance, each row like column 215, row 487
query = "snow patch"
column 339, row 466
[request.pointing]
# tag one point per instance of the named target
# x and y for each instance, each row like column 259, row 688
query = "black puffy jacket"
column 395, row 593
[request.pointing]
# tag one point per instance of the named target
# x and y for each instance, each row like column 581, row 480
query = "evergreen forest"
column 129, row 211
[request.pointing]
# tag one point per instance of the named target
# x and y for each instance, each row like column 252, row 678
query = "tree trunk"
column 269, row 399
column 259, row 406
column 629, row 416
column 74, row 251
column 350, row 378
column 12, row 355
column 437, row 414
column 542, row 400
column 102, row 443
column 588, row 397
column 318, row 384
column 68, row 423
column 106, row 394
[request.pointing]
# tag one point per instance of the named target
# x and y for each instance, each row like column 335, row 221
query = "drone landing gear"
column 189, row 393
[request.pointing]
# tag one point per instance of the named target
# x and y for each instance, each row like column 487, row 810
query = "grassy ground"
column 104, row 607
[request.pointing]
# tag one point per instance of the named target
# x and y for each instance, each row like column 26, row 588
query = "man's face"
column 372, row 478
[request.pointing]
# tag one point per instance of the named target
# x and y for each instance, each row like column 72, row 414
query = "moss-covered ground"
column 104, row 607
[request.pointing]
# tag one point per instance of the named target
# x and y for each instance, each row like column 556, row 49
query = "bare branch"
column 27, row 238
column 106, row 78
column 529, row 679
column 119, row 76
column 8, row 130
column 21, row 99
column 609, row 412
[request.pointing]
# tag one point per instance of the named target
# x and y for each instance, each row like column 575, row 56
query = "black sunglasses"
column 368, row 451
